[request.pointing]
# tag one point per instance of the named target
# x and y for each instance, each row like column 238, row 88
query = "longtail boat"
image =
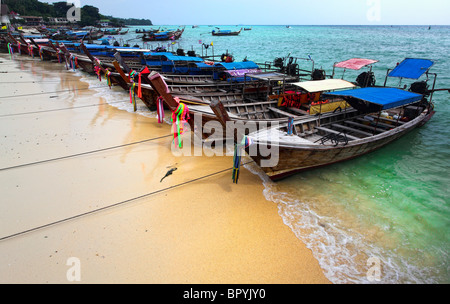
column 163, row 36
column 243, row 109
column 379, row 116
column 220, row 32
column 365, row 79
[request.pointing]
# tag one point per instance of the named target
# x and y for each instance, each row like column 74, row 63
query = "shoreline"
column 196, row 228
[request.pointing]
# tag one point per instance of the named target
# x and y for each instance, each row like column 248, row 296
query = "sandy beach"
column 110, row 209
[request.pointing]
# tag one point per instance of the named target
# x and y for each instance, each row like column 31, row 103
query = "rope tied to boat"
column 238, row 147
column 179, row 117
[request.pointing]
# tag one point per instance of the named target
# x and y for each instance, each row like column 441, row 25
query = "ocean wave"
column 118, row 98
column 342, row 254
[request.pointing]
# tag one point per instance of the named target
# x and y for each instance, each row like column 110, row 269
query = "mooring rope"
column 61, row 109
column 83, row 153
column 63, row 91
column 113, row 205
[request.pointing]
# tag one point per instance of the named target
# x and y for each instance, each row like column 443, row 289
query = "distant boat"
column 288, row 26
column 225, row 32
column 247, row 29
column 163, row 36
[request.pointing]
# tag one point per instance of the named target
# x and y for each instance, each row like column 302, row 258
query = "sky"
column 277, row 12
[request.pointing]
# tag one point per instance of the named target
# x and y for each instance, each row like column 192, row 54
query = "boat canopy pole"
column 434, row 84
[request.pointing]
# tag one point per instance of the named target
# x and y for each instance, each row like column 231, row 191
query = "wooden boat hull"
column 86, row 65
column 298, row 158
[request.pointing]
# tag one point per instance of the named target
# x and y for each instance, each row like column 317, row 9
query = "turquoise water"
column 392, row 204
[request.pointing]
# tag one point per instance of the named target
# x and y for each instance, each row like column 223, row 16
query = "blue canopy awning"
column 183, row 58
column 203, row 65
column 387, row 98
column 157, row 54
column 411, row 68
column 238, row 65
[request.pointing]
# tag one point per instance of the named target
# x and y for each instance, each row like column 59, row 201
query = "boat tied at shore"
column 378, row 116
column 360, row 120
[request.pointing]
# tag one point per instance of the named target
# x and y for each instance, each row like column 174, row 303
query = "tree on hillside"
column 30, row 8
column 61, row 9
column 89, row 15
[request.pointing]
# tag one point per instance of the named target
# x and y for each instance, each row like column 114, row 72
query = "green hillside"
column 90, row 15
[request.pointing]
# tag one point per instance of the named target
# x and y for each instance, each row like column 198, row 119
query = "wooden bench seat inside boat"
column 363, row 126
column 283, row 113
column 326, row 130
column 388, row 120
column 299, row 111
column 379, row 124
column 356, row 131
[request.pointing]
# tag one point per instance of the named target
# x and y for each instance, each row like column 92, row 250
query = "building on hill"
column 57, row 21
column 104, row 22
column 33, row 20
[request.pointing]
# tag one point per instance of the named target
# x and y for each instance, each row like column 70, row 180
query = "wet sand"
column 194, row 226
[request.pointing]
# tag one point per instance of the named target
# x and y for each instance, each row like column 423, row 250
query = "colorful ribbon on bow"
column 144, row 71
column 179, row 117
column 18, row 46
column 40, row 52
column 30, row 50
column 133, row 95
column 10, row 50
column 246, row 142
column 139, row 86
column 97, row 71
column 108, row 77
column 131, row 75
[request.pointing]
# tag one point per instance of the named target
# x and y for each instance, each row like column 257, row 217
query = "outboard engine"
column 419, row 87
column 191, row 53
column 278, row 62
column 180, row 52
column 292, row 69
column 366, row 79
column 318, row 74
